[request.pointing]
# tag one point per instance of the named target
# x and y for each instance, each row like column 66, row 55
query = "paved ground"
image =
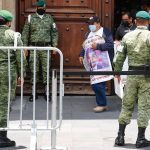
column 81, row 129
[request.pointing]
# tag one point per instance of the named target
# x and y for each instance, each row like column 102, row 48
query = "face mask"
column 92, row 28
column 41, row 11
column 125, row 23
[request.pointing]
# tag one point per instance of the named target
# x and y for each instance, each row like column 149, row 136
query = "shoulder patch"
column 9, row 34
column 120, row 48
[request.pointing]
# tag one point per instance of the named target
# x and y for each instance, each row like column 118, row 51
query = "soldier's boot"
column 120, row 138
column 141, row 141
column 45, row 97
column 45, row 94
column 31, row 96
column 4, row 141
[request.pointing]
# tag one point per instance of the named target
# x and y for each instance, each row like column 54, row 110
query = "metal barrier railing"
column 54, row 124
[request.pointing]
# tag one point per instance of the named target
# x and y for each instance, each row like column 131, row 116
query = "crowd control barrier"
column 55, row 123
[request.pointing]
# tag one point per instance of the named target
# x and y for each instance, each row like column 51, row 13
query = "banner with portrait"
column 96, row 60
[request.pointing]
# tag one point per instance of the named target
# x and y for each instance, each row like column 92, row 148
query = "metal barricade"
column 54, row 124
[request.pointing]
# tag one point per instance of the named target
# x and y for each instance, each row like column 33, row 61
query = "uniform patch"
column 120, row 48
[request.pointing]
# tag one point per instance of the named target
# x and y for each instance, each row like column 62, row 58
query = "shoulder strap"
column 148, row 43
column 148, row 39
column 29, row 18
column 15, row 39
column 16, row 36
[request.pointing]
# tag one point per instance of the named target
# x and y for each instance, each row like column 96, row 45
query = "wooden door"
column 70, row 17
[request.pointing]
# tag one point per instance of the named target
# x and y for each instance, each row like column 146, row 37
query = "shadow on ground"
column 14, row 148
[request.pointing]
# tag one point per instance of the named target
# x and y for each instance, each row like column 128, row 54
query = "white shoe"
column 98, row 109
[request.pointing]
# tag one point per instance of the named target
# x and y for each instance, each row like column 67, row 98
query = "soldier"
column 7, row 39
column 136, row 45
column 40, row 30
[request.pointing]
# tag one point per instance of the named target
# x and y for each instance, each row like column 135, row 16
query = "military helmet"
column 143, row 15
column 40, row 3
column 6, row 15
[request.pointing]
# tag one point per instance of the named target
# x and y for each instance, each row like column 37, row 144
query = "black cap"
column 93, row 19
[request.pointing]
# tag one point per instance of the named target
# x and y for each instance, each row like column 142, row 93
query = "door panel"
column 70, row 17
column 108, row 13
column 71, row 36
column 72, row 3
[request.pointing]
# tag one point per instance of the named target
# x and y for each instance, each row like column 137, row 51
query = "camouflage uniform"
column 7, row 39
column 41, row 32
column 136, row 45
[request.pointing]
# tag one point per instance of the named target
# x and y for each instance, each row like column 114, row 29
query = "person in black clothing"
column 126, row 26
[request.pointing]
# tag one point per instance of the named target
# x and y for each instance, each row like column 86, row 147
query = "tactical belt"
column 40, row 43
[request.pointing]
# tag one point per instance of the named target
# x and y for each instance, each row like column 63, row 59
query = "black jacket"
column 122, row 30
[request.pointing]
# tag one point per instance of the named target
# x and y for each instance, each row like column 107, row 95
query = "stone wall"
column 9, row 5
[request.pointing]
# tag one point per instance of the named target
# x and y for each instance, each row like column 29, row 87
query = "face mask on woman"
column 92, row 28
